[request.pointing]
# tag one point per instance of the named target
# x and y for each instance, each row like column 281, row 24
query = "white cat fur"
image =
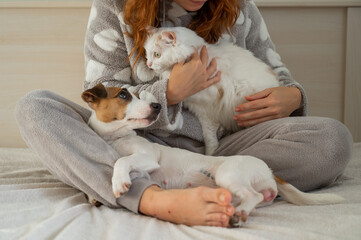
column 242, row 74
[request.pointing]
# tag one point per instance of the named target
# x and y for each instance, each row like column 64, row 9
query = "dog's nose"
column 156, row 107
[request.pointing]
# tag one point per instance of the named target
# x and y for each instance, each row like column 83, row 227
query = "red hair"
column 211, row 21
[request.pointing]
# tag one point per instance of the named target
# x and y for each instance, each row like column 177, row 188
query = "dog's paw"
column 238, row 219
column 93, row 201
column 121, row 188
column 120, row 185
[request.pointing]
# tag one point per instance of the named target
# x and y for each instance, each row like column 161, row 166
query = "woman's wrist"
column 173, row 97
column 146, row 202
column 298, row 97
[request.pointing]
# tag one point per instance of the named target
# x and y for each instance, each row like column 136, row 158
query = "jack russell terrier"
column 117, row 112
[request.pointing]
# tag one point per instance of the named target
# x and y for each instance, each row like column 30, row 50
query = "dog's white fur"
column 245, row 176
column 242, row 74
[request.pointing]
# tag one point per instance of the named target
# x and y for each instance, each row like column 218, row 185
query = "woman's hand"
column 187, row 79
column 268, row 104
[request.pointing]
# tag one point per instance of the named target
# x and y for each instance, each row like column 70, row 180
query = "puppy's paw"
column 93, row 201
column 238, row 219
column 120, row 185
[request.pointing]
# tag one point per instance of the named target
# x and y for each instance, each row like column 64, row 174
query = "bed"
column 42, row 47
column 34, row 205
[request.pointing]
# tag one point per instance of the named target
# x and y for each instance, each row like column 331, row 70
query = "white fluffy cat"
column 242, row 75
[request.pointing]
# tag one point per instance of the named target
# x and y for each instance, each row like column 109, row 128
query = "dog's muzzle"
column 156, row 107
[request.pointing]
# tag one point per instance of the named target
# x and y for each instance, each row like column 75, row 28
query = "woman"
column 307, row 152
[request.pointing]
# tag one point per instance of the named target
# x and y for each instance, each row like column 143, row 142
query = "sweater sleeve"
column 106, row 51
column 105, row 54
column 106, row 62
column 259, row 42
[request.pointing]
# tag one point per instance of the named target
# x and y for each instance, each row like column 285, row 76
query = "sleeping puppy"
column 117, row 112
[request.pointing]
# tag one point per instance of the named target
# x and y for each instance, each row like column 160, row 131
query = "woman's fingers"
column 252, row 105
column 259, row 95
column 188, row 78
column 269, row 104
column 204, row 56
column 256, row 111
column 211, row 75
column 213, row 80
column 212, row 68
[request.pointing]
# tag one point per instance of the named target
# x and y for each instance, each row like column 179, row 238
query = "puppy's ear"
column 93, row 95
column 136, row 94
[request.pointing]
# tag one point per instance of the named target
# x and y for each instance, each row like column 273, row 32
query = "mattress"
column 35, row 205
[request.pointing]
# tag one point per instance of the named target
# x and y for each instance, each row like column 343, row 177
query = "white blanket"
column 34, row 205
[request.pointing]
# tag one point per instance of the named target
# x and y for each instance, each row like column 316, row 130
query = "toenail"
column 222, row 197
column 229, row 210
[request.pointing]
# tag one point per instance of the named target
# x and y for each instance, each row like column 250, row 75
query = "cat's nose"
column 149, row 64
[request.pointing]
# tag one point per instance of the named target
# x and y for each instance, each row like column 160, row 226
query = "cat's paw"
column 221, row 131
column 211, row 148
column 210, row 139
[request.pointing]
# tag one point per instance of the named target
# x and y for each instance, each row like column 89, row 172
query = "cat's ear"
column 151, row 30
column 169, row 37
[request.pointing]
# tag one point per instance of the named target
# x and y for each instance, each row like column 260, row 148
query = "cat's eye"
column 156, row 54
column 123, row 94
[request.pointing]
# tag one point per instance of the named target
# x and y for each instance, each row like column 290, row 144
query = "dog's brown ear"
column 136, row 94
column 92, row 96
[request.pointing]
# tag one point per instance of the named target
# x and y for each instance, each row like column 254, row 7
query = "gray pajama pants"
column 308, row 152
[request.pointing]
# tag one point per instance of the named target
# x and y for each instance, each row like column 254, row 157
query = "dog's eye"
column 123, row 94
column 156, row 54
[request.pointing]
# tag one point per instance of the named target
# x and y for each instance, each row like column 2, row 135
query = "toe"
column 224, row 197
column 220, row 196
column 219, row 218
column 215, row 208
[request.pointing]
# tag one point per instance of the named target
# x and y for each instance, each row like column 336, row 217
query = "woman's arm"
column 288, row 100
column 104, row 48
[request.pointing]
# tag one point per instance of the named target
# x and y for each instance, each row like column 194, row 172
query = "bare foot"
column 192, row 206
